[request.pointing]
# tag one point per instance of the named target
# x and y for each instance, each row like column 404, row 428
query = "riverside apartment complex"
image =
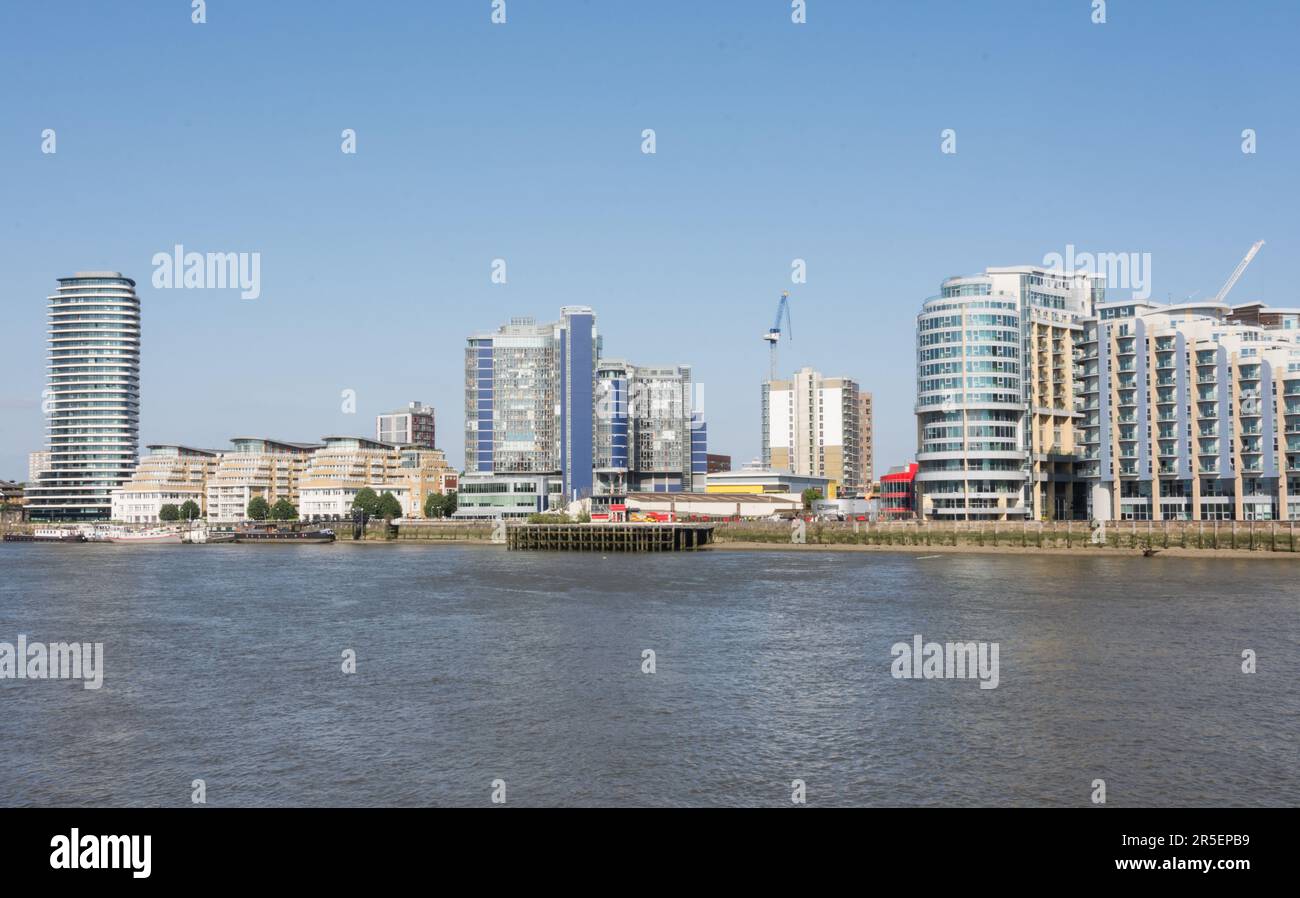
column 319, row 479
column 1038, row 399
column 548, row 421
column 1191, row 412
column 995, row 393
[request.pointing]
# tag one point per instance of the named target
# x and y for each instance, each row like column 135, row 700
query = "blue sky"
column 522, row 141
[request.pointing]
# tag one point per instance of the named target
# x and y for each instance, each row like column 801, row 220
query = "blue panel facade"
column 577, row 403
column 486, row 396
column 618, row 424
column 564, row 409
column 699, row 445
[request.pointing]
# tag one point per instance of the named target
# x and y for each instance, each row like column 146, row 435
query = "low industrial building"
column 761, row 480
column 682, row 506
column 490, row 496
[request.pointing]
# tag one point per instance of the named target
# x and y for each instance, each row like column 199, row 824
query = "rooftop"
column 715, row 498
column 291, row 445
column 82, row 275
column 184, row 448
column 364, row 442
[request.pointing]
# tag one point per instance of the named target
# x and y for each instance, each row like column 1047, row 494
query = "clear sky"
column 522, row 141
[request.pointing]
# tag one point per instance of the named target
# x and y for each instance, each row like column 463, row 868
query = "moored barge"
column 272, row 534
column 46, row 535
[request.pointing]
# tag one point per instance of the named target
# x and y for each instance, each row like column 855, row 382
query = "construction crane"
column 773, row 335
column 1232, row 281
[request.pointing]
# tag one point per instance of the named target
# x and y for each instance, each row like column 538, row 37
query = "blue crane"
column 773, row 335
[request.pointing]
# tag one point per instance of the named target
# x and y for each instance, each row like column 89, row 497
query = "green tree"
column 367, row 501
column 283, row 510
column 438, row 505
column 169, row 512
column 258, row 509
column 810, row 495
column 389, row 507
column 190, row 510
column 433, row 505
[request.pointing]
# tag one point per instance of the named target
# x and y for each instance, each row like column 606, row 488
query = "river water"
column 473, row 665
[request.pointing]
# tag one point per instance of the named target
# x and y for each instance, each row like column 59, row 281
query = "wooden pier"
column 609, row 537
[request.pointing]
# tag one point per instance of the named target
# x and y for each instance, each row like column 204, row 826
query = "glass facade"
column 92, row 403
column 529, row 396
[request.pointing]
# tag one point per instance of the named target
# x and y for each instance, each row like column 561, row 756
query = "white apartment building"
column 1191, row 412
column 255, row 466
column 167, row 475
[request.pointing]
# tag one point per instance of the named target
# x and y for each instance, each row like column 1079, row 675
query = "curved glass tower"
column 996, row 395
column 92, row 404
column 970, row 404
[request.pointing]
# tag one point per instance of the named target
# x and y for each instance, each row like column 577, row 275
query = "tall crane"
column 773, row 335
column 1232, row 281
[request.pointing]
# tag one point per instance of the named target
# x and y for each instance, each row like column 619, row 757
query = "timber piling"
column 609, row 537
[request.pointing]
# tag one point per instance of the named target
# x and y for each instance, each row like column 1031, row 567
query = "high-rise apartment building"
column 529, row 400
column 866, row 451
column 995, row 394
column 811, row 426
column 1190, row 412
column 93, row 401
column 548, row 421
column 410, row 426
column 1038, row 398
column 648, row 436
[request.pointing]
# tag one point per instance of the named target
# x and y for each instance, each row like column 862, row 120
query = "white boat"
column 199, row 534
column 150, row 535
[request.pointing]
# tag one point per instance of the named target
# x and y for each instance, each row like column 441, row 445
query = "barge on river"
column 269, row 533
